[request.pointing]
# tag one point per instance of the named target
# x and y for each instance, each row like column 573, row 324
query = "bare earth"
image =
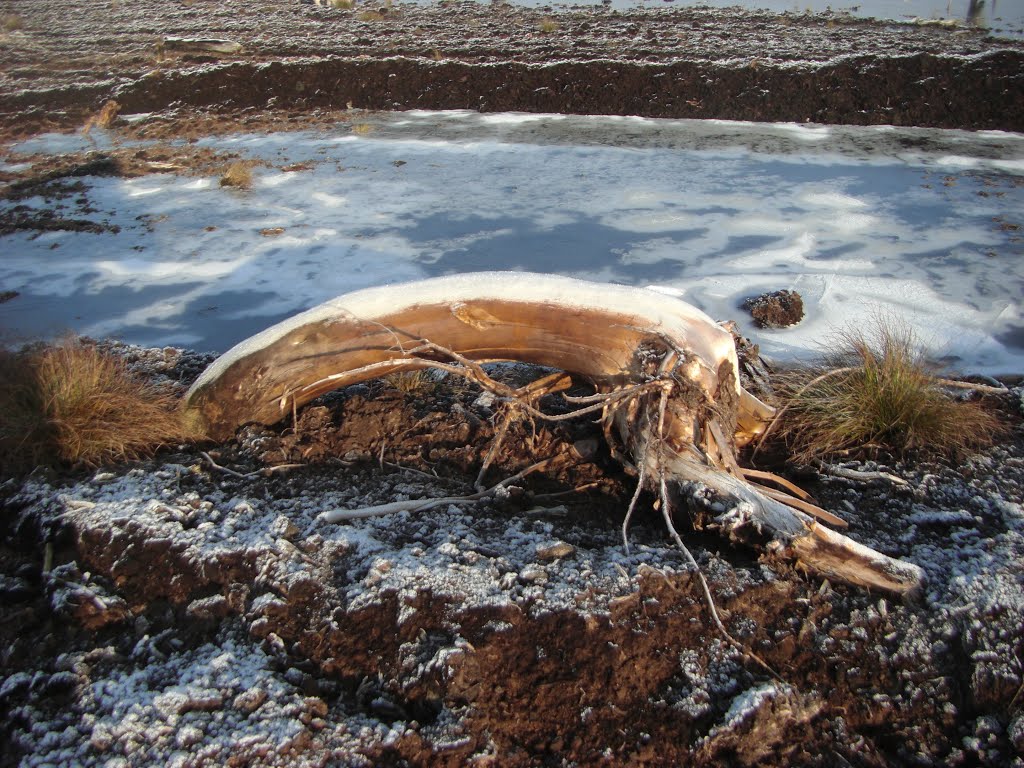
column 197, row 613
column 70, row 56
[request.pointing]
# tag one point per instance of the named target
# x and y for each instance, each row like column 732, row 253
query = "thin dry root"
column 712, row 609
column 421, row 505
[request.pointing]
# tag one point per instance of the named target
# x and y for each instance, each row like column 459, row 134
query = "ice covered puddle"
column 923, row 225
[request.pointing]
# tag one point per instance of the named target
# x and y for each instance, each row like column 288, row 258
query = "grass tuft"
column 11, row 22
column 105, row 118
column 877, row 392
column 411, row 382
column 73, row 404
column 547, row 26
column 238, row 175
column 343, row 5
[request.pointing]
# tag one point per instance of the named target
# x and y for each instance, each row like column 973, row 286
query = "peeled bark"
column 681, row 418
column 598, row 331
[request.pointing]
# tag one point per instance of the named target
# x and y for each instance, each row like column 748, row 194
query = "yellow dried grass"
column 877, row 392
column 74, row 404
column 105, row 118
column 411, row 382
column 237, row 175
column 11, row 22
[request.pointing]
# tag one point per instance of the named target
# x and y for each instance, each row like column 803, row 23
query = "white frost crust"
column 665, row 314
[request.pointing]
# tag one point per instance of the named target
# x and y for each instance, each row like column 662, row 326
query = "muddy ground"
column 196, row 611
column 63, row 59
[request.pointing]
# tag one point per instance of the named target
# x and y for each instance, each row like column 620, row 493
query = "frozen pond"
column 919, row 225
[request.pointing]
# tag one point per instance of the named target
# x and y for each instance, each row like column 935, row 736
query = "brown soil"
column 64, row 63
column 555, row 670
column 57, row 179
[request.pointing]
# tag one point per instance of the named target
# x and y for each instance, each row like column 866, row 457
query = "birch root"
column 684, row 427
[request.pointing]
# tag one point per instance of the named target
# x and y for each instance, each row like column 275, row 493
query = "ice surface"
column 920, row 225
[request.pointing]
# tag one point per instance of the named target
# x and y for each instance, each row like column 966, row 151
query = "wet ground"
column 920, row 224
column 1003, row 17
column 62, row 62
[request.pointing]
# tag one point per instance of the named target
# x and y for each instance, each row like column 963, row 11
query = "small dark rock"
column 776, row 309
column 208, row 608
column 60, row 683
column 295, row 676
column 15, row 590
column 15, row 687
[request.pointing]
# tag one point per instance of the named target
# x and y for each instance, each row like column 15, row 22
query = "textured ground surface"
column 189, row 616
column 63, row 59
column 194, row 616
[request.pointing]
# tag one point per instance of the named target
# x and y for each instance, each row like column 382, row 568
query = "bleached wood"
column 592, row 329
column 754, row 519
column 670, row 372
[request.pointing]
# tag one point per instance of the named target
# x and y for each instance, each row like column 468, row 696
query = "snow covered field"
column 919, row 225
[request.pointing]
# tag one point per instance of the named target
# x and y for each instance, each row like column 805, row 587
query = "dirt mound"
column 197, row 609
column 290, row 58
column 777, row 309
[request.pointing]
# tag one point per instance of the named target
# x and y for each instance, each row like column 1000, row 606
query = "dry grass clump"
column 73, row 404
column 548, row 25
column 411, row 382
column 105, row 118
column 237, row 175
column 11, row 22
column 343, row 5
column 877, row 392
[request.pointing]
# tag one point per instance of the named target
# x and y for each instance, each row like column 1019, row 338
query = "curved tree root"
column 666, row 376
